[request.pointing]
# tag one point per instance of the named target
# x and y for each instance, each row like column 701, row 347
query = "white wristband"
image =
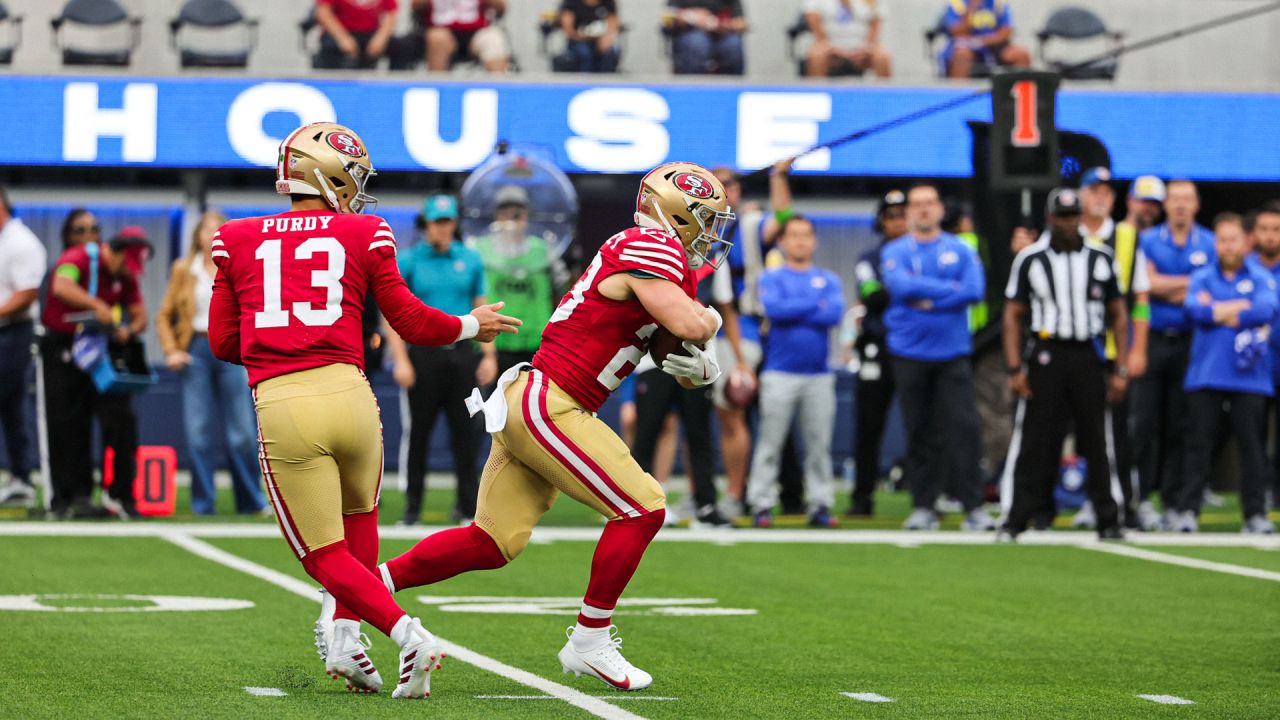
column 470, row 327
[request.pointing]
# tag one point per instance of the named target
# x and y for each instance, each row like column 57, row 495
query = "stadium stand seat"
column 1078, row 25
column 549, row 30
column 98, row 23
column 798, row 44
column 931, row 50
column 212, row 21
column 12, row 24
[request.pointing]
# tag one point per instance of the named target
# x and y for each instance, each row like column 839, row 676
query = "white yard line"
column 1168, row 699
column 718, row 537
column 581, row 700
column 1188, row 562
column 612, row 698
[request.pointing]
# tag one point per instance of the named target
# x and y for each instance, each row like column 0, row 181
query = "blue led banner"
column 237, row 123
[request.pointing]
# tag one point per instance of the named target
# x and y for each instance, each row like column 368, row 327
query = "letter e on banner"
column 775, row 125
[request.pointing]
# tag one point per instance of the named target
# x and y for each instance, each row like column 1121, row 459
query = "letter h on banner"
column 84, row 122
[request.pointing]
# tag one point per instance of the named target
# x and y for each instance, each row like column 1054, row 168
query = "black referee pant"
column 445, row 377
column 1068, row 383
column 71, row 402
column 944, row 434
column 656, row 394
column 1248, row 413
column 873, row 400
column 1159, row 418
column 1122, row 458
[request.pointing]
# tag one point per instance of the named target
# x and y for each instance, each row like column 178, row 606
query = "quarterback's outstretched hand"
column 699, row 366
column 492, row 323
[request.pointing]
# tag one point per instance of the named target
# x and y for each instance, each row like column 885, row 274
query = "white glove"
column 699, row 365
column 719, row 321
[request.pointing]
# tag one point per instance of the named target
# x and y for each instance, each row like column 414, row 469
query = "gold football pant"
column 320, row 444
column 549, row 445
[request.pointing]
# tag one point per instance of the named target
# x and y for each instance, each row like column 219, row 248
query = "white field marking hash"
column 592, row 534
column 1151, row 555
column 1168, row 699
column 266, row 692
column 868, row 697
column 578, row 699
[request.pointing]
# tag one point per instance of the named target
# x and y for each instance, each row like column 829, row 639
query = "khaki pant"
column 551, row 445
column 320, row 445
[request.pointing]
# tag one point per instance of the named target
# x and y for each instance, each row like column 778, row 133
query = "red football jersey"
column 592, row 342
column 290, row 292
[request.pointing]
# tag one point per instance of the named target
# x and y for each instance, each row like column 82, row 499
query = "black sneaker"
column 821, row 518
column 1111, row 533
column 709, row 518
column 409, row 520
column 85, row 511
column 861, row 508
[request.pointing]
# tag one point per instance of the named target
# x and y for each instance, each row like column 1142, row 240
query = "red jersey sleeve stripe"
column 383, row 243
column 221, row 254
column 664, row 267
column 656, row 246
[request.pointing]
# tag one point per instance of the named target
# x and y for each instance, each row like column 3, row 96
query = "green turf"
column 978, row 631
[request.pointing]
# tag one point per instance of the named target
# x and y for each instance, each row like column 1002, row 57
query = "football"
column 663, row 343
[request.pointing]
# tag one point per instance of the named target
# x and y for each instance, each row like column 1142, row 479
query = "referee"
column 1068, row 287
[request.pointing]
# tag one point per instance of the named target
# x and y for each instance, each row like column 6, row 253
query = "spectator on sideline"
column 1098, row 200
column 874, row 395
column 80, row 227
column 1232, row 303
column 980, row 31
column 1174, row 250
column 1263, row 226
column 735, row 294
column 70, row 399
column 464, row 28
column 707, row 37
column 182, row 324
column 22, row 265
column 448, row 275
column 932, row 278
column 802, row 303
column 356, row 33
column 519, row 269
column 846, row 38
column 591, row 29
column 1063, row 378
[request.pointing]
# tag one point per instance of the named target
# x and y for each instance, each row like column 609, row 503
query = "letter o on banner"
column 244, row 119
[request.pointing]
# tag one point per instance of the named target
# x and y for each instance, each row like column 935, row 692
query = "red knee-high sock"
column 361, row 531
column 617, row 556
column 353, row 585
column 442, row 555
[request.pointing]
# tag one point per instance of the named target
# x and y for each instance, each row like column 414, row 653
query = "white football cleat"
column 417, row 661
column 349, row 660
column 605, row 663
column 324, row 624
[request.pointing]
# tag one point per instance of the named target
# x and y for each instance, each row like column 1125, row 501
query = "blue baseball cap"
column 1095, row 176
column 440, row 207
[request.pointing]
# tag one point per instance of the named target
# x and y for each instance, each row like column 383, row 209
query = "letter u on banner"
column 479, row 123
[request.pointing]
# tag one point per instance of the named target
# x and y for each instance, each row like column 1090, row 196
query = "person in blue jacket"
column 802, row 303
column 1231, row 304
column 932, row 278
column 1263, row 226
column 1158, row 407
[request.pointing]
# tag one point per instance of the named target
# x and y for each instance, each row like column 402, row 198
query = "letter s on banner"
column 244, row 118
column 775, row 125
column 479, row 124
column 618, row 130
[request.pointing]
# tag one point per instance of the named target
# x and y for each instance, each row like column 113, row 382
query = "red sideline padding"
column 155, row 488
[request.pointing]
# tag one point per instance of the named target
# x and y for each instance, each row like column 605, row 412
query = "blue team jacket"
column 945, row 272
column 1169, row 259
column 802, row 306
column 1275, row 336
column 1215, row 349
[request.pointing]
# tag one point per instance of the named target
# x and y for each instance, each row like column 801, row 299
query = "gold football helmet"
column 328, row 160
column 688, row 202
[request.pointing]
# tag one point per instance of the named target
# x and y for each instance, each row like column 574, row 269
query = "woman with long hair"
column 183, row 324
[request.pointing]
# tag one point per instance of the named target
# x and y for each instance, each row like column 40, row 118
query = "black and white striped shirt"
column 1067, row 292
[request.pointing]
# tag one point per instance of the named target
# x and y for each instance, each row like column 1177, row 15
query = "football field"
column 211, row 620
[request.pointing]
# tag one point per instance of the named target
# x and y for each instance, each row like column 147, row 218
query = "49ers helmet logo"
column 345, row 144
column 694, row 186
